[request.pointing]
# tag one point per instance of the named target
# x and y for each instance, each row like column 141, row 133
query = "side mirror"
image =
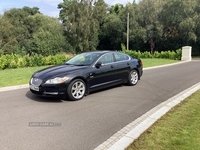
column 99, row 64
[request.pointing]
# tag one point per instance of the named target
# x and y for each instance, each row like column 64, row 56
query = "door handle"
column 112, row 66
column 91, row 75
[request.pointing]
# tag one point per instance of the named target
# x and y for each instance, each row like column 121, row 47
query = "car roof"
column 101, row 52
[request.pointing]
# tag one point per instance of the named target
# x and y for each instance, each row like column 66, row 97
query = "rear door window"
column 121, row 57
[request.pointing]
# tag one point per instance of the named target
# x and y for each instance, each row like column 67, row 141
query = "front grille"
column 36, row 81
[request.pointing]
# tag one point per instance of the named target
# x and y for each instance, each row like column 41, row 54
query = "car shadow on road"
column 108, row 89
column 37, row 98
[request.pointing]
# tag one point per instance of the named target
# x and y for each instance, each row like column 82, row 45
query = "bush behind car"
column 9, row 61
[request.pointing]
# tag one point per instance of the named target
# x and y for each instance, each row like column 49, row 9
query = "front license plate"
column 35, row 88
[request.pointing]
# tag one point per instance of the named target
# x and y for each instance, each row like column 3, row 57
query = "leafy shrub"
column 164, row 54
column 2, row 62
column 22, row 62
column 11, row 61
column 172, row 55
column 51, row 60
column 29, row 61
column 16, row 61
column 146, row 55
column 133, row 54
column 176, row 55
column 59, row 59
column 156, row 54
column 123, row 47
column 38, row 60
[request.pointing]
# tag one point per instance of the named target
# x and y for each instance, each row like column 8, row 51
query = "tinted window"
column 121, row 57
column 83, row 59
column 107, row 58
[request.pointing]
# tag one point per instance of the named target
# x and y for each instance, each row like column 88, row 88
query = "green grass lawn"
column 157, row 62
column 179, row 129
column 10, row 77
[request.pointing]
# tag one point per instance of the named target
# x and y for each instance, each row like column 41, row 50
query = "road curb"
column 10, row 88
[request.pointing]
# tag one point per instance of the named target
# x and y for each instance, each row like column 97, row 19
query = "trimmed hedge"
column 175, row 55
column 17, row 61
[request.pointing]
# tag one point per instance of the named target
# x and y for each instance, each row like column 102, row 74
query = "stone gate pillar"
column 186, row 53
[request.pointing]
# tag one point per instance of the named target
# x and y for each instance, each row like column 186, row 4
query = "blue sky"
column 47, row 7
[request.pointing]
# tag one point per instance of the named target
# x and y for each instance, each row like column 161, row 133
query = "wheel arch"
column 137, row 71
column 86, row 83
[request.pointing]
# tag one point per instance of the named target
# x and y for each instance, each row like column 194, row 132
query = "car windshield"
column 83, row 59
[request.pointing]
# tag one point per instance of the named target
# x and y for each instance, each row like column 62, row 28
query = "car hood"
column 57, row 71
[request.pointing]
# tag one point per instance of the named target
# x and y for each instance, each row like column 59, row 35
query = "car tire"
column 76, row 89
column 133, row 77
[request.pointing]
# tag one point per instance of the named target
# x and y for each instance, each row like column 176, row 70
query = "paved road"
column 83, row 125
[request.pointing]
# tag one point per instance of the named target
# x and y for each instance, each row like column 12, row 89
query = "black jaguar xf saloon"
column 86, row 72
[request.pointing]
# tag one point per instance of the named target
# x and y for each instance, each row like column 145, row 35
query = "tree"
column 47, row 38
column 148, row 18
column 27, row 31
column 8, row 42
column 137, row 34
column 16, row 18
column 112, row 33
column 100, row 11
column 81, row 26
column 179, row 24
column 117, row 8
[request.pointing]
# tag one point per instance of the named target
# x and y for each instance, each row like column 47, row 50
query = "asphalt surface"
column 31, row 122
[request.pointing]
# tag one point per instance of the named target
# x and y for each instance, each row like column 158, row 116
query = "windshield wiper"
column 79, row 65
column 67, row 64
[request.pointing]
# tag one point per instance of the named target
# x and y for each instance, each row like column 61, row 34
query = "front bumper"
column 49, row 90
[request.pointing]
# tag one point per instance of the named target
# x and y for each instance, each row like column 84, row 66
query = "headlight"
column 56, row 80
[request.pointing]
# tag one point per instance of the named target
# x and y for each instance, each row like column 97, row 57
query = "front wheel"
column 76, row 89
column 133, row 77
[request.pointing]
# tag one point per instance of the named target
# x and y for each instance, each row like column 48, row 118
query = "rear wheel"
column 76, row 89
column 133, row 77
